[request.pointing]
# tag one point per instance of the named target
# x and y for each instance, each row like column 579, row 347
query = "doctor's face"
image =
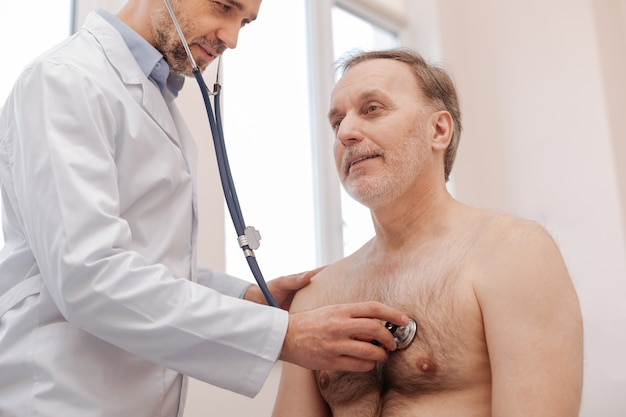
column 209, row 26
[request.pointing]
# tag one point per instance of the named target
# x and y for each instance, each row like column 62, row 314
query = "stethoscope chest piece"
column 403, row 335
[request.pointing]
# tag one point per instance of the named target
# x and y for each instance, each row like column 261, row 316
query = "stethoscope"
column 248, row 237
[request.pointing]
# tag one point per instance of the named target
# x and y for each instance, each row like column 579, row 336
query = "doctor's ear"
column 442, row 128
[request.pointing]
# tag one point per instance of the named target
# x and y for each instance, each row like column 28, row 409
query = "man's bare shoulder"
column 502, row 233
column 510, row 249
column 336, row 277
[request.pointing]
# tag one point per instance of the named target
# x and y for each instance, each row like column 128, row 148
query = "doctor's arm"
column 335, row 337
column 283, row 289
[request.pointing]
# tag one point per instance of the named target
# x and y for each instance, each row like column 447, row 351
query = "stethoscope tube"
column 228, row 185
column 403, row 335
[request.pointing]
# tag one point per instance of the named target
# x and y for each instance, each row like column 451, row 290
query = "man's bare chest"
column 439, row 297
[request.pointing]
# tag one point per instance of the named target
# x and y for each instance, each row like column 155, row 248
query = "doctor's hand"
column 283, row 289
column 338, row 337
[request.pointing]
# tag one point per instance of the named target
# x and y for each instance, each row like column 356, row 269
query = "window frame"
column 326, row 188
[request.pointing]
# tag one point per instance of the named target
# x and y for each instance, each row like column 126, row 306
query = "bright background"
column 543, row 94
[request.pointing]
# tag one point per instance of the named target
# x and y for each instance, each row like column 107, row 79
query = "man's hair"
column 435, row 83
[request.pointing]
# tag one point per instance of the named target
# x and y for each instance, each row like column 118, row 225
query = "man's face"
column 379, row 117
column 209, row 26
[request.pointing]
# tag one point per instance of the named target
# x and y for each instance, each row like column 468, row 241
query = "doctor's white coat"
column 101, row 304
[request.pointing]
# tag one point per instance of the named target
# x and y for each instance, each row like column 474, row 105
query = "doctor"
column 103, row 308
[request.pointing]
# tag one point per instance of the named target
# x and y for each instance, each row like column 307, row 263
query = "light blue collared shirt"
column 150, row 60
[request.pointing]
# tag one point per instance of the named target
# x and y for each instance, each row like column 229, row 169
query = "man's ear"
column 442, row 124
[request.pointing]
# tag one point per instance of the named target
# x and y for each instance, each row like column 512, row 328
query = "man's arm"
column 533, row 326
column 298, row 394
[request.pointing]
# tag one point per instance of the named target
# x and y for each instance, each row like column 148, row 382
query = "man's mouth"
column 351, row 162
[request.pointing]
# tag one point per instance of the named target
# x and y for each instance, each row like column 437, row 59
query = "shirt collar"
column 150, row 60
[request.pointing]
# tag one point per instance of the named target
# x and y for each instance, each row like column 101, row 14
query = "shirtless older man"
column 499, row 323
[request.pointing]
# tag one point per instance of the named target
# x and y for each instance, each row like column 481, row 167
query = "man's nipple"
column 323, row 380
column 426, row 366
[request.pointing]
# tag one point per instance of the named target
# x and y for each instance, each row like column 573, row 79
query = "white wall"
column 543, row 92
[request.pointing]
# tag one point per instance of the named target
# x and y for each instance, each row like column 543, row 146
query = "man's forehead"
column 375, row 74
column 379, row 65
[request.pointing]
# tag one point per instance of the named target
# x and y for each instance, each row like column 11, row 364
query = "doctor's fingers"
column 292, row 282
column 316, row 341
column 363, row 321
column 342, row 330
column 285, row 288
column 352, row 330
column 376, row 310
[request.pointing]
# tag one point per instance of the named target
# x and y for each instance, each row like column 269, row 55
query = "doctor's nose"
column 229, row 34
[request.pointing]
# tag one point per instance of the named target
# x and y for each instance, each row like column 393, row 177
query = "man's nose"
column 350, row 130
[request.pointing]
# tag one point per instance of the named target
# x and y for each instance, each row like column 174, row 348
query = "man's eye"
column 372, row 108
column 335, row 124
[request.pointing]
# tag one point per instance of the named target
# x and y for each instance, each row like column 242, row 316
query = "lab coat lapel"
column 131, row 74
column 156, row 106
column 150, row 98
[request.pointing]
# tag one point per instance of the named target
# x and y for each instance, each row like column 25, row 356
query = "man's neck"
column 407, row 222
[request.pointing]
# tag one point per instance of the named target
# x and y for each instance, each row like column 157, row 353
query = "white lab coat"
column 99, row 311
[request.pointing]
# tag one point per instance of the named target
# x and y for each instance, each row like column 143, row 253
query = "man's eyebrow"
column 369, row 94
column 238, row 5
column 333, row 113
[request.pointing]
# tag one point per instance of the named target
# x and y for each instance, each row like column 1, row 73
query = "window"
column 274, row 142
column 353, row 32
column 274, row 122
column 267, row 134
column 29, row 27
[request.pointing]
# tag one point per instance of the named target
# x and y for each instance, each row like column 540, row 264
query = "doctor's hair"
column 435, row 83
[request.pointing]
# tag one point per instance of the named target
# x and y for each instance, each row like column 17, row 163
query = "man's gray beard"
column 371, row 196
column 383, row 190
